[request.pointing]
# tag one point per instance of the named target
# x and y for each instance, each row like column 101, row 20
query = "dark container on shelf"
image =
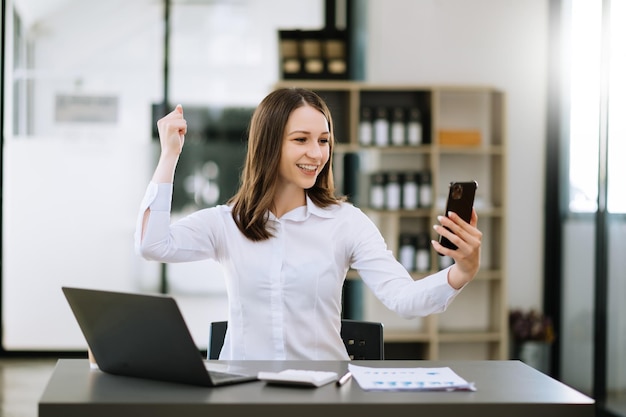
column 314, row 54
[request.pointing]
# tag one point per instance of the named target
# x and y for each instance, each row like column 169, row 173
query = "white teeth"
column 308, row 167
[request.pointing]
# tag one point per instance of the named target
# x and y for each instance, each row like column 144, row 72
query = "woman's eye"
column 324, row 140
column 300, row 139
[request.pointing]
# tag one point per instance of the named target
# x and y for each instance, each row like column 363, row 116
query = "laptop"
column 144, row 336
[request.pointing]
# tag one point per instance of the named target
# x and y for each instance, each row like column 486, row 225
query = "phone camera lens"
column 457, row 191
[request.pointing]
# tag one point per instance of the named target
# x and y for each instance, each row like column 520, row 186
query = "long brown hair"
column 251, row 204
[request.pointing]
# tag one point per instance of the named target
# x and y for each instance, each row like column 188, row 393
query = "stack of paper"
column 409, row 379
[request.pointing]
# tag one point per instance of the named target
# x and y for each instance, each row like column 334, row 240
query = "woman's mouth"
column 308, row 169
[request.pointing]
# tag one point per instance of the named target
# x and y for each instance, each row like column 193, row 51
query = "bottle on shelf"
column 425, row 189
column 398, row 127
column 377, row 191
column 422, row 252
column 392, row 191
column 407, row 251
column 366, row 134
column 381, row 127
column 414, row 127
column 410, row 191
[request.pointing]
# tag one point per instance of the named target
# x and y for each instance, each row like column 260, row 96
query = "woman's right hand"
column 172, row 129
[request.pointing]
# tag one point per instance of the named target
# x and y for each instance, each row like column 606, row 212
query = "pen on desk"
column 344, row 378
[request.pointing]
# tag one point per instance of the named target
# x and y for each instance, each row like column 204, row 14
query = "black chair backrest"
column 363, row 339
column 216, row 338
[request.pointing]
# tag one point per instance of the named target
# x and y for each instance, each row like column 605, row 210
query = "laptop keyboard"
column 218, row 376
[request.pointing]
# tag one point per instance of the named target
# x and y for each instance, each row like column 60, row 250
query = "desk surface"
column 504, row 388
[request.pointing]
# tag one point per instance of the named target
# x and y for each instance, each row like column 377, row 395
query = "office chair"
column 363, row 339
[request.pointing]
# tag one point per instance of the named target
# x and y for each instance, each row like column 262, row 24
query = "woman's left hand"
column 467, row 238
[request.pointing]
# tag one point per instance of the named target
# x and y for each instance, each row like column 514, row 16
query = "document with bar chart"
column 409, row 379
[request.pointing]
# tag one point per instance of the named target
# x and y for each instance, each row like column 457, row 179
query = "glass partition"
column 79, row 148
column 593, row 330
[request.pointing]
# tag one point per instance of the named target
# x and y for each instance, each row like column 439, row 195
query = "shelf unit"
column 475, row 326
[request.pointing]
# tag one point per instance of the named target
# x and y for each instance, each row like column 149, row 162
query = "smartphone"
column 460, row 201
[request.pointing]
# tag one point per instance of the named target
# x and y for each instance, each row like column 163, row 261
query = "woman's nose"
column 314, row 151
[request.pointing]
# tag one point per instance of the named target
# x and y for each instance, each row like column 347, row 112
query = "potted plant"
column 532, row 333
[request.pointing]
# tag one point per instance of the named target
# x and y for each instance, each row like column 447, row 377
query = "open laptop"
column 143, row 336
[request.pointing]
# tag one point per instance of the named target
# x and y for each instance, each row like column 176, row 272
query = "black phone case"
column 460, row 204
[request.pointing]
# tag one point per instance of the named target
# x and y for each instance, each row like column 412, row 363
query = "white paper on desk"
column 409, row 379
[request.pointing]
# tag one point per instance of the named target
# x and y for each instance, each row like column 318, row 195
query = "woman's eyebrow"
column 306, row 132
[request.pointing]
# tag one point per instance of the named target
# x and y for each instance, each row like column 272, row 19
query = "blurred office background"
column 83, row 81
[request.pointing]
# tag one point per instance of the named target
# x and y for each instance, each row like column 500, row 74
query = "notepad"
column 409, row 379
column 303, row 377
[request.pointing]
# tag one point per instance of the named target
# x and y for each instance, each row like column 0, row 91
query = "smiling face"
column 305, row 148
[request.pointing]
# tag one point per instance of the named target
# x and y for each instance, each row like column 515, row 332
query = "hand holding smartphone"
column 460, row 201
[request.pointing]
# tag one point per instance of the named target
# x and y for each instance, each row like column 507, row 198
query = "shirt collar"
column 327, row 213
column 302, row 213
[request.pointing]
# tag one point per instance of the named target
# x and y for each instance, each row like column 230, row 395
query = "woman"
column 286, row 242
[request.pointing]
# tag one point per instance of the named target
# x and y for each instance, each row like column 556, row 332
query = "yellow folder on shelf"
column 459, row 138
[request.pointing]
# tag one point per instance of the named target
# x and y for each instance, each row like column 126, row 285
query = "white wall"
column 500, row 43
column 71, row 192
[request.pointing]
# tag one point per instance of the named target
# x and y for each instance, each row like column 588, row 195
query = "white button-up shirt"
column 285, row 292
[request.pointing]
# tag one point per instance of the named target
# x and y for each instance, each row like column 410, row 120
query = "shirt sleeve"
column 390, row 281
column 188, row 239
column 152, row 191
